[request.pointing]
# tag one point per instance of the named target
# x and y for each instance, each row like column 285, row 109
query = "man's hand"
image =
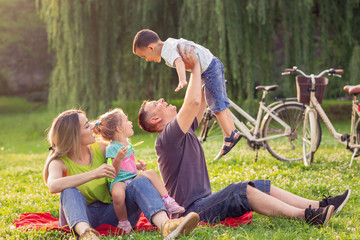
column 188, row 58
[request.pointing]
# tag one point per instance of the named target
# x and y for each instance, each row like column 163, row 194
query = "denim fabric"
column 229, row 202
column 140, row 196
column 213, row 83
column 73, row 209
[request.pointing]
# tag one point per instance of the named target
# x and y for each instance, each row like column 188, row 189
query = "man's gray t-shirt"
column 182, row 164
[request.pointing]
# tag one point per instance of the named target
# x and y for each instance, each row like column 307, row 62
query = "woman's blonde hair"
column 64, row 137
column 106, row 124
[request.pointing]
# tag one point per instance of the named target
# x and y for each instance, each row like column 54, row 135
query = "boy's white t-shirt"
column 169, row 52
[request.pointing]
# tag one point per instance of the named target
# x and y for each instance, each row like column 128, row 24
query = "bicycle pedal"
column 345, row 137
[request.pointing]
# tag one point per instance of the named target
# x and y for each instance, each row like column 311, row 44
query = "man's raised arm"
column 193, row 96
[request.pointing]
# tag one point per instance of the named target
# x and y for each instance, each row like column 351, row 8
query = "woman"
column 75, row 168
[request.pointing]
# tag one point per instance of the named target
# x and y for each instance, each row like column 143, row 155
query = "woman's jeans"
column 141, row 196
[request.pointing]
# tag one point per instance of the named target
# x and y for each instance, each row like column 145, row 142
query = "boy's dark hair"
column 143, row 38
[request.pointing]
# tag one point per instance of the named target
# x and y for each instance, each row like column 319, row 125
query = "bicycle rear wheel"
column 287, row 148
column 310, row 138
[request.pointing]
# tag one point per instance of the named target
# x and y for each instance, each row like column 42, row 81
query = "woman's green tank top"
column 97, row 189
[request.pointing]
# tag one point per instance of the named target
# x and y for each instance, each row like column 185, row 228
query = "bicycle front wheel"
column 310, row 138
column 289, row 147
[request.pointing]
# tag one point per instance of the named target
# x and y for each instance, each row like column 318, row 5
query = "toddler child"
column 148, row 45
column 115, row 127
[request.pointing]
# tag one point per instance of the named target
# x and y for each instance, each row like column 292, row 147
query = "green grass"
column 15, row 104
column 23, row 150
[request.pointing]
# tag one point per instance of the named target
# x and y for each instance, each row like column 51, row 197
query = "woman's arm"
column 57, row 181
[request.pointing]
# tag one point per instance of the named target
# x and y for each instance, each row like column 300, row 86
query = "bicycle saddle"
column 352, row 89
column 268, row 88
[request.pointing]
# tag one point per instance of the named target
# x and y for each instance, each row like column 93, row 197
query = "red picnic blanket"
column 47, row 221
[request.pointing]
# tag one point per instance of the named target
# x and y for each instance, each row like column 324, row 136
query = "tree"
column 25, row 63
column 254, row 39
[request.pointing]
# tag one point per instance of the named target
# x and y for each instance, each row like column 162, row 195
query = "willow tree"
column 83, row 35
column 136, row 78
column 255, row 39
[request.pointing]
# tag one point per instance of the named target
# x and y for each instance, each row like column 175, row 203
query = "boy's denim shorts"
column 213, row 83
column 230, row 202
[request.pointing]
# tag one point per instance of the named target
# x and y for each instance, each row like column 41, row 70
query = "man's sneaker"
column 172, row 206
column 125, row 226
column 180, row 226
column 338, row 201
column 319, row 216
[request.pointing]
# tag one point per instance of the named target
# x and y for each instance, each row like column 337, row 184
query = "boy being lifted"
column 149, row 46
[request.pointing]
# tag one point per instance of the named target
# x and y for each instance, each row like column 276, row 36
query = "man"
column 183, row 167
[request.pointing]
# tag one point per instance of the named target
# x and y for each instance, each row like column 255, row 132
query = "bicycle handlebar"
column 331, row 72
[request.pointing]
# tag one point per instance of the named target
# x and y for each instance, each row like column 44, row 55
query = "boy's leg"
column 155, row 180
column 226, row 122
column 213, row 80
column 118, row 196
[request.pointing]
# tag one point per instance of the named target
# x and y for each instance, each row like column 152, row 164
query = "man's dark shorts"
column 230, row 202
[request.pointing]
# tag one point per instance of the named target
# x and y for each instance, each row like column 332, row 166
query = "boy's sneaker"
column 172, row 206
column 338, row 201
column 319, row 216
column 180, row 226
column 125, row 226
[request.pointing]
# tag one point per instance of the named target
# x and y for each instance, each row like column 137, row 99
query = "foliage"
column 83, row 35
column 254, row 39
column 25, row 63
column 23, row 150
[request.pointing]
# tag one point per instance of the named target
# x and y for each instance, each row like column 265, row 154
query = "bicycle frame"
column 256, row 122
column 338, row 136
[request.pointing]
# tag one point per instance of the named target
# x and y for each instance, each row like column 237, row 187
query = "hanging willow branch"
column 83, row 35
column 255, row 39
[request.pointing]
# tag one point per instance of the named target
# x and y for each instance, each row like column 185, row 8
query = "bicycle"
column 278, row 131
column 311, row 89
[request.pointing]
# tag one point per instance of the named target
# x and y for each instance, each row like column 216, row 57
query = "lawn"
column 23, row 150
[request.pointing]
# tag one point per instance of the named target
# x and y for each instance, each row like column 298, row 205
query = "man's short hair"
column 143, row 119
column 143, row 38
